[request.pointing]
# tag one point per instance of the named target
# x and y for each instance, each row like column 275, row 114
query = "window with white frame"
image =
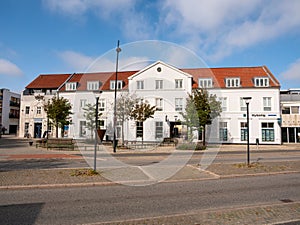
column 26, row 129
column 286, row 110
column 178, row 83
column 82, row 128
column 178, row 104
column 232, row 82
column 140, row 84
column 102, row 104
column 261, row 82
column 27, row 109
column 223, row 132
column 244, row 131
column 38, row 110
column 119, row 84
column 159, row 104
column 158, row 84
column 295, row 109
column 139, row 129
column 243, row 105
column 205, row 83
column 158, row 129
column 267, row 103
column 267, row 130
column 223, row 101
column 93, row 85
column 71, row 86
column 82, row 104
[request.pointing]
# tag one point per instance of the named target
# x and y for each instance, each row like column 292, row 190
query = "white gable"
column 164, row 67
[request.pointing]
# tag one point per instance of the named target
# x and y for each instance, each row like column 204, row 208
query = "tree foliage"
column 58, row 110
column 90, row 115
column 125, row 105
column 201, row 109
column 141, row 111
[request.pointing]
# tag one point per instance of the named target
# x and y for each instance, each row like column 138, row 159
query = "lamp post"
column 96, row 131
column 247, row 101
column 118, row 50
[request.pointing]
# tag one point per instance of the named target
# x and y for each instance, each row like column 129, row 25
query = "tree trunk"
column 204, row 136
column 56, row 129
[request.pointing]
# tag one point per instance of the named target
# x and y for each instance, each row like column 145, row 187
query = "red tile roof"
column 246, row 75
column 48, row 81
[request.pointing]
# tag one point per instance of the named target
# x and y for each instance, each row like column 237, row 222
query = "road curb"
column 111, row 183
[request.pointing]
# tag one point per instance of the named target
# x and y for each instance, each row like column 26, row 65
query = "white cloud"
column 221, row 27
column 103, row 8
column 82, row 63
column 9, row 68
column 293, row 71
column 76, row 61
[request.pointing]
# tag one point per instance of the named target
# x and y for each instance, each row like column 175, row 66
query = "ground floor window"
column 82, row 128
column 139, row 129
column 290, row 134
column 244, row 131
column 267, row 132
column 26, row 130
column 223, row 132
column 158, row 129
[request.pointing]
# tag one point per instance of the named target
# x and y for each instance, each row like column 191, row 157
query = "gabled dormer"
column 71, row 86
column 261, row 81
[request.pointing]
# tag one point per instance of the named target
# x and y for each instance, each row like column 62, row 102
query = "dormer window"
column 205, row 83
column 232, row 82
column 261, row 82
column 119, row 84
column 71, row 86
column 93, row 85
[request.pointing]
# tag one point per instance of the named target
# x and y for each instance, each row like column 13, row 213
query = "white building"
column 290, row 108
column 167, row 88
column 9, row 111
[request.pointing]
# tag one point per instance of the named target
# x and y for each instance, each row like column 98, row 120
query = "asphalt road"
column 113, row 203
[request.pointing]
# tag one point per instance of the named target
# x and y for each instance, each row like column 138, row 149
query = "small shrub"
column 84, row 172
column 191, row 146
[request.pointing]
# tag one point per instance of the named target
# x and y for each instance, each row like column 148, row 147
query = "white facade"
column 9, row 111
column 290, row 122
column 167, row 88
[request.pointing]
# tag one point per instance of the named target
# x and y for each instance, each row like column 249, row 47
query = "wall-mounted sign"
column 258, row 115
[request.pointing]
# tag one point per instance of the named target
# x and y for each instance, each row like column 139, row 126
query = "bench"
column 169, row 141
column 60, row 143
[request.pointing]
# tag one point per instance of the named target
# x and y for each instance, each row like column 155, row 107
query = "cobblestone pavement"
column 267, row 214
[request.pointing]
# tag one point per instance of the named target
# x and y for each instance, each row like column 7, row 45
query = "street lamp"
column 118, row 50
column 247, row 101
column 96, row 131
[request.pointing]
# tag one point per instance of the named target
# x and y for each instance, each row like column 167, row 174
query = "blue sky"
column 66, row 36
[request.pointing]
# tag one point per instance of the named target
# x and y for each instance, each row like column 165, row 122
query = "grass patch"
column 84, row 172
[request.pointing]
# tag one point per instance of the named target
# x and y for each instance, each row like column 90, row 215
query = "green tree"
column 203, row 107
column 125, row 104
column 58, row 110
column 141, row 111
column 190, row 118
column 90, row 115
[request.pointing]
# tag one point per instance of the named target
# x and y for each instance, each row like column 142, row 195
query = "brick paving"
column 266, row 214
